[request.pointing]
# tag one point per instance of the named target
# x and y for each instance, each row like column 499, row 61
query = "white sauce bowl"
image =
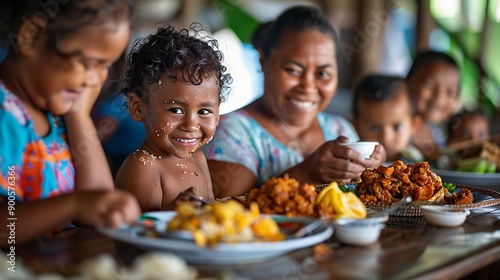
column 359, row 232
column 444, row 216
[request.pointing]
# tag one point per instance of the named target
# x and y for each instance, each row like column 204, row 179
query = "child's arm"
column 25, row 221
column 92, row 169
column 141, row 176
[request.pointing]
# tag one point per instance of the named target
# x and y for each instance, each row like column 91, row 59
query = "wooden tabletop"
column 408, row 248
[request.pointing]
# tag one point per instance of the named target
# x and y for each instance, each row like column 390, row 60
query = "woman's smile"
column 303, row 105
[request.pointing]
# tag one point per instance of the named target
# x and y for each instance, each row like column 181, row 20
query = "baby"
column 175, row 83
column 383, row 112
column 468, row 125
column 434, row 82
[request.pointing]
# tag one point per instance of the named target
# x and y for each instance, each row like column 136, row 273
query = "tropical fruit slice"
column 346, row 205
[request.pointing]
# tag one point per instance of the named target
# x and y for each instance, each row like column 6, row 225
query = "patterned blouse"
column 241, row 139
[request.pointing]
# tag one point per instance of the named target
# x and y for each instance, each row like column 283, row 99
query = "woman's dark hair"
column 260, row 34
column 188, row 51
column 61, row 17
column 298, row 18
column 379, row 88
column 430, row 56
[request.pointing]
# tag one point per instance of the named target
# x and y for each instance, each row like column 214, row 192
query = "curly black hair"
column 188, row 51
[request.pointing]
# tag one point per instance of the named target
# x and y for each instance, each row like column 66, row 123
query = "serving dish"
column 485, row 180
column 482, row 198
column 222, row 253
column 444, row 216
column 360, row 232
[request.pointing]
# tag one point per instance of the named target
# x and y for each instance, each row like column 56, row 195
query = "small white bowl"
column 444, row 216
column 365, row 148
column 359, row 232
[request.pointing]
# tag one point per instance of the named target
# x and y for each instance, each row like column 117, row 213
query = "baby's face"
column 180, row 117
column 471, row 128
column 435, row 86
column 389, row 122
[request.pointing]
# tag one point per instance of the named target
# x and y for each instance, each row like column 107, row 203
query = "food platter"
column 222, row 253
column 482, row 198
column 485, row 180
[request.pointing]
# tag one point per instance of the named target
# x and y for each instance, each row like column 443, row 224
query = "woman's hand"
column 334, row 162
column 378, row 157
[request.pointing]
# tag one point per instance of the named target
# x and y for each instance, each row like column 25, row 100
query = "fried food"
column 464, row 197
column 225, row 222
column 284, row 195
column 387, row 185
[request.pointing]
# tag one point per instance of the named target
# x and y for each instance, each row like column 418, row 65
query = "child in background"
column 51, row 161
column 468, row 125
column 383, row 112
column 434, row 82
column 175, row 83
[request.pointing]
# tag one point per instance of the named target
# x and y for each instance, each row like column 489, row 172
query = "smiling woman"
column 285, row 131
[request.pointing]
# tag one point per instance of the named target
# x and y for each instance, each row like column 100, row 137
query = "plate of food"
column 353, row 223
column 217, row 234
column 383, row 186
column 470, row 163
column 485, row 180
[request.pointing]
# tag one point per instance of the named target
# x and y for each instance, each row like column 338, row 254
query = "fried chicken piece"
column 402, row 176
column 424, row 192
column 284, row 195
column 395, row 182
column 387, row 171
column 463, row 197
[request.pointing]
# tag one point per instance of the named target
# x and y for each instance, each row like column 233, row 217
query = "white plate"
column 222, row 254
column 485, row 180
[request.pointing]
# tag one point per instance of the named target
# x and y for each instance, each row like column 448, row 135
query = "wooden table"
column 407, row 249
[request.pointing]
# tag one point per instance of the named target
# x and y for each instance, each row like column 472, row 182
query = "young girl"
column 52, row 167
column 175, row 83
